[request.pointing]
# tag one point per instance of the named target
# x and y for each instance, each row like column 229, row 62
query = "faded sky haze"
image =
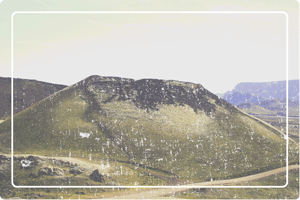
column 215, row 50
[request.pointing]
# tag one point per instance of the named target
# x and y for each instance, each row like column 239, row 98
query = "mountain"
column 256, row 92
column 26, row 93
column 236, row 98
column 179, row 131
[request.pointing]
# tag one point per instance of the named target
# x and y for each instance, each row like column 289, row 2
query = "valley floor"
column 138, row 193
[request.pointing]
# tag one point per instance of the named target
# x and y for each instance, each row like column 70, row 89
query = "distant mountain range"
column 26, row 93
column 265, row 98
column 256, row 92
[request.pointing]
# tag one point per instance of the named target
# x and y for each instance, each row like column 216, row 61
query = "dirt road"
column 89, row 166
column 155, row 193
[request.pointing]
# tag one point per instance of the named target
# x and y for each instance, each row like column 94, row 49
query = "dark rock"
column 20, row 158
column 41, row 195
column 4, row 161
column 58, row 172
column 75, row 171
column 34, row 160
column 50, row 171
column 4, row 169
column 3, row 157
column 80, row 192
column 96, row 176
column 58, row 162
column 45, row 171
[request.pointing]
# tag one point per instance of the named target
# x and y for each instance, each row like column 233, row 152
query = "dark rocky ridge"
column 149, row 93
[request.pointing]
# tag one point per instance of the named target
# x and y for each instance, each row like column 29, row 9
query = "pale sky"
column 215, row 50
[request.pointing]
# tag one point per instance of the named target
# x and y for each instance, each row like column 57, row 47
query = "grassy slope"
column 26, row 93
column 52, row 127
column 255, row 109
column 271, row 107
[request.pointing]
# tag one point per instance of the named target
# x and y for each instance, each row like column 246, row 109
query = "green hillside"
column 174, row 129
column 53, row 127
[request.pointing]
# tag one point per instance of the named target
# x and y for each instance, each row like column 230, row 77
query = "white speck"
column 25, row 163
column 85, row 135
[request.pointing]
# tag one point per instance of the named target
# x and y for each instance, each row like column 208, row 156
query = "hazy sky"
column 215, row 50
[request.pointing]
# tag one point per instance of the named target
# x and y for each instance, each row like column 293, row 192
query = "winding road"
column 155, row 193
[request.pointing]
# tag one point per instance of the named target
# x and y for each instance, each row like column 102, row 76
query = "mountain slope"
column 176, row 128
column 26, row 93
column 271, row 107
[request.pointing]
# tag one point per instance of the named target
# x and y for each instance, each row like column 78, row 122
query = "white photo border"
column 149, row 12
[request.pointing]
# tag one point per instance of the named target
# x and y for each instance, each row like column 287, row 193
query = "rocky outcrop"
column 96, row 176
column 30, row 161
column 5, row 165
column 75, row 171
column 50, row 171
